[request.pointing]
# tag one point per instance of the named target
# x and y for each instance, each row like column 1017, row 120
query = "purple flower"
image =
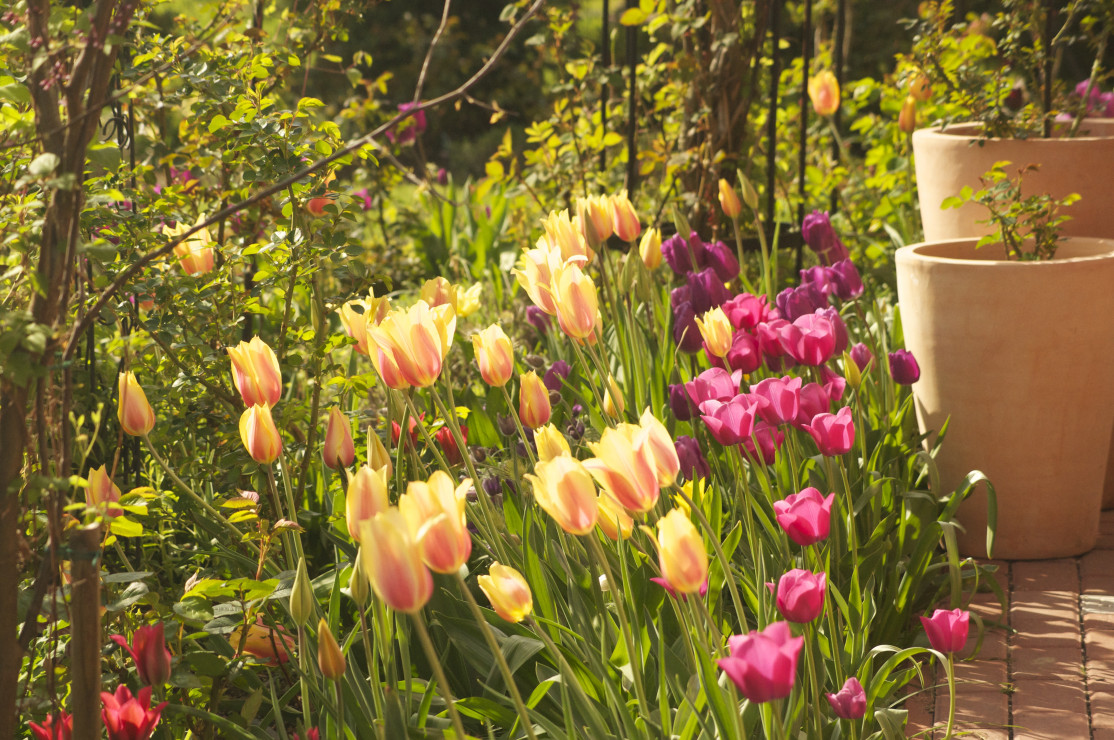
column 819, row 277
column 684, row 256
column 408, row 129
column 693, row 463
column 556, row 375
column 708, row 291
column 363, row 195
column 685, row 331
column 904, row 368
column 679, row 402
column 840, row 328
column 538, row 318
column 723, row 261
column 821, row 238
column 862, row 356
column 442, row 176
column 846, row 279
column 793, row 303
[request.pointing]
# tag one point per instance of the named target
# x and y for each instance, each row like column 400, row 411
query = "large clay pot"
column 948, row 159
column 1019, row 356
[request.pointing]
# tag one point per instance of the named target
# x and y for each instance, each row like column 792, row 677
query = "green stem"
column 372, row 671
column 518, row 426
column 439, row 675
column 569, row 676
column 505, row 669
column 949, row 668
column 720, row 557
column 303, row 679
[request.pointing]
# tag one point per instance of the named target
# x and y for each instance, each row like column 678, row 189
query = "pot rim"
column 970, row 130
column 921, row 251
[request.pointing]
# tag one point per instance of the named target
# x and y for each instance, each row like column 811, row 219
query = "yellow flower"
column 717, row 331
column 468, row 301
column 508, row 592
column 662, row 449
column 577, row 303
column 533, row 401
column 681, row 553
column 624, row 467
column 729, row 201
column 624, row 217
column 563, row 235
column 135, row 414
column 410, row 345
column 550, row 442
column 434, row 509
column 494, row 355
column 649, row 249
column 260, row 436
column 338, row 450
column 330, row 658
column 594, row 216
column 393, row 563
column 823, row 91
column 255, row 370
column 366, row 497
column 564, row 489
column 614, row 519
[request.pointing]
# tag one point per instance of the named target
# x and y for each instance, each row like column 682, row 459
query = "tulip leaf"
column 126, row 577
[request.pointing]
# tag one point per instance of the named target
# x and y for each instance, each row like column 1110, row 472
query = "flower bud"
column 301, row 595
column 681, row 553
column 508, row 592
column 904, row 368
column 920, row 89
column 823, row 91
column 550, row 443
column 750, row 195
column 907, row 118
column 358, row 587
column 102, row 491
column 717, row 331
column 594, row 217
column 136, row 415
column 255, row 370
column 260, row 436
column 613, row 402
column 494, row 355
column 330, row 658
column 393, row 562
column 339, row 451
column 728, row 200
column 377, row 455
column 624, row 217
column 533, row 401
column 649, row 249
column 366, row 497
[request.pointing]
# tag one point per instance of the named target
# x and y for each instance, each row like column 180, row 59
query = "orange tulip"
column 366, row 497
column 594, row 216
column 135, row 414
column 921, row 88
column 649, row 249
column 823, row 91
column 508, row 592
column 624, row 467
column 412, row 344
column 393, row 563
column 614, row 519
column 255, row 369
column 102, row 491
column 339, row 450
column 550, row 443
column 260, row 436
column 624, row 217
column 271, row 645
column 564, row 489
column 533, row 401
column 907, row 118
column 577, row 304
column 729, row 201
column 330, row 658
column 662, row 449
column 494, row 355
column 435, row 512
column 681, row 553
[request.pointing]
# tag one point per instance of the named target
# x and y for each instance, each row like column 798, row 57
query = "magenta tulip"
column 148, row 650
column 769, row 342
column 817, row 231
column 730, row 422
column 813, row 400
column 128, row 717
column 800, row 595
column 848, row 282
column 947, row 630
column 904, row 368
column 746, row 311
column 834, row 383
column 744, row 356
column 693, row 463
column 715, row 384
column 850, row 701
column 810, row 339
column 805, row 516
column 784, row 395
column 862, row 356
column 763, row 665
column 834, row 433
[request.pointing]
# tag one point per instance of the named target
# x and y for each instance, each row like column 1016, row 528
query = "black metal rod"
column 632, row 104
column 771, row 118
column 806, row 58
column 838, row 33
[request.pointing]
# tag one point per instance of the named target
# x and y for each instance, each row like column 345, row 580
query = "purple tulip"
column 693, row 463
column 846, row 279
column 538, row 318
column 556, row 375
column 679, row 403
column 723, row 261
column 708, row 291
column 684, row 256
column 793, row 303
column 862, row 356
column 685, row 331
column 821, row 238
column 904, row 368
column 819, row 277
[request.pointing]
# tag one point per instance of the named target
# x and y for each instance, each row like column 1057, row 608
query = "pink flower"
column 763, row 443
column 127, row 717
column 947, row 630
column 834, row 383
column 862, row 356
column 148, row 650
column 800, row 595
column 850, row 701
column 769, row 343
column 814, row 400
column 784, row 395
column 904, row 368
column 715, row 384
column 746, row 311
column 48, row 730
column 805, row 516
column 763, row 665
column 408, row 129
column 729, row 422
column 745, row 355
column 810, row 340
column 834, row 433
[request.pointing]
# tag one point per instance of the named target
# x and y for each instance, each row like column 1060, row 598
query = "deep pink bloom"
column 746, row 311
column 311, row 734
column 784, row 395
column 148, row 650
column 850, row 701
column 769, row 342
column 840, row 329
column 763, row 443
column 819, row 277
column 862, row 356
column 848, row 282
column 806, row 516
column 763, row 665
column 363, row 195
column 947, row 630
column 48, row 730
column 714, row 384
column 730, row 422
column 792, row 303
column 834, row 433
column 800, row 595
column 672, row 592
column 810, row 339
column 408, row 129
column 904, row 368
column 127, row 717
column 834, row 383
column 814, row 400
column 744, row 355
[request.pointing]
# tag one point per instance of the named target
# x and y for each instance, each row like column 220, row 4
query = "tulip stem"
column 810, row 663
column 949, row 668
column 205, row 505
column 569, row 675
column 303, row 678
column 439, row 675
column 500, row 659
column 340, row 706
column 519, row 427
column 372, row 670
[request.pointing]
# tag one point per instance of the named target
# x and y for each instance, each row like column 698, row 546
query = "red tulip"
column 127, row 717
column 834, row 433
column 947, row 630
column 48, row 730
column 850, row 701
column 800, row 595
column 805, row 516
column 148, row 650
column 444, row 437
column 763, row 665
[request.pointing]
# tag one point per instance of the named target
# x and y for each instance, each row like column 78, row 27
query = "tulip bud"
column 260, row 436
column 339, row 451
column 613, row 402
column 717, row 331
column 102, row 491
column 624, row 217
column 136, row 415
column 904, row 368
column 920, row 89
column 728, row 201
column 576, row 300
column 947, row 630
column 255, row 370
column 550, row 443
column 366, row 497
column 494, row 355
column 823, row 91
column 750, row 195
column 358, row 587
column 148, row 650
column 301, row 595
column 681, row 553
column 377, row 455
column 330, row 658
column 594, row 217
column 533, row 401
column 907, row 118
column 649, row 249
column 508, row 592
column 851, row 371
column 661, row 448
column 850, row 701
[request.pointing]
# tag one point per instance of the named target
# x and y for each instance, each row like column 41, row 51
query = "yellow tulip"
column 907, row 118
column 577, row 303
column 681, row 553
column 260, row 436
column 564, row 489
column 662, row 449
column 613, row 402
column 508, row 592
column 393, row 563
column 468, row 301
column 494, row 355
column 649, row 249
column 729, row 201
column 135, row 414
column 434, row 509
column 101, row 491
column 195, row 254
column 594, row 216
column 411, row 344
column 534, row 273
column 366, row 497
column 624, row 467
column 338, row 450
column 438, row 292
column 614, row 519
column 533, row 401
column 550, row 443
column 330, row 658
column 624, row 217
column 255, row 370
column 823, row 91
column 377, row 455
column 563, row 235
column 717, row 331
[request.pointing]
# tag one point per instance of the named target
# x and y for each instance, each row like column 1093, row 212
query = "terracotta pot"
column 946, row 160
column 1013, row 354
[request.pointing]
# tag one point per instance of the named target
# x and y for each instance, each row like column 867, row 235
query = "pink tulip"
column 810, row 340
column 763, row 443
column 148, row 650
column 800, row 595
column 805, row 516
column 773, row 351
column 128, row 717
column 862, row 356
column 814, row 400
column 850, row 701
column 744, row 355
column 763, row 665
column 834, row 383
column 746, row 311
column 729, row 422
column 784, row 395
column 947, row 630
column 715, row 384
column 834, row 433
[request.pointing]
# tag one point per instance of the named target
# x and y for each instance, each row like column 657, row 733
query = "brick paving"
column 1045, row 670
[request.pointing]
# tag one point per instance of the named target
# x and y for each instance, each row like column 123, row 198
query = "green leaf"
column 123, row 527
column 633, row 17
